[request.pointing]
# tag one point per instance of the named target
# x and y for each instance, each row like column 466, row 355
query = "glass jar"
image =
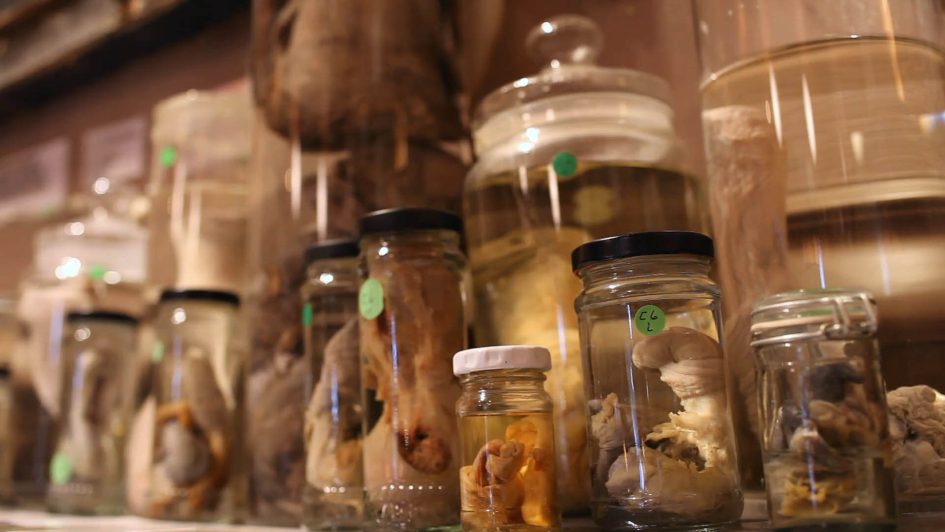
column 662, row 449
column 823, row 131
column 825, row 437
column 333, row 495
column 196, row 469
column 87, row 472
column 411, row 305
column 200, row 141
column 507, row 436
column 574, row 153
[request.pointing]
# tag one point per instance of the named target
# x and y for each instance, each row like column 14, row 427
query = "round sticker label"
column 307, row 315
column 564, row 164
column 650, row 320
column 60, row 470
column 371, row 299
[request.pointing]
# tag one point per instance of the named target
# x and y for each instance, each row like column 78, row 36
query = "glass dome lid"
column 569, row 45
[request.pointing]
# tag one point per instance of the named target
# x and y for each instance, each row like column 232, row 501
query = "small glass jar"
column 662, row 451
column 198, row 392
column 506, row 430
column 412, row 322
column 333, row 495
column 87, row 471
column 825, row 436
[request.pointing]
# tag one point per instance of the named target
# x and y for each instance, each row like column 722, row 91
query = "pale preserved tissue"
column 683, row 456
column 917, row 428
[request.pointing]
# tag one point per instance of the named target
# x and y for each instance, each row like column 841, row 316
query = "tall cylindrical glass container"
column 661, row 442
column 824, row 142
column 333, row 495
column 197, row 458
column 87, row 472
column 412, row 323
column 574, row 153
column 355, row 112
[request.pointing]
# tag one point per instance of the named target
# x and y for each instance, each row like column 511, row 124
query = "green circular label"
column 564, row 164
column 157, row 352
column 307, row 315
column 97, row 272
column 60, row 470
column 371, row 299
column 650, row 320
column 168, row 156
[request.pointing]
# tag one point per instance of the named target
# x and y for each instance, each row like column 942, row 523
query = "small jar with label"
column 87, row 473
column 825, row 433
column 507, row 479
column 198, row 375
column 412, row 322
column 333, row 494
column 662, row 448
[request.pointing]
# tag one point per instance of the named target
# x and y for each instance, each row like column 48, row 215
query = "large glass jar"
column 662, row 449
column 196, row 469
column 333, row 496
column 356, row 112
column 87, row 472
column 825, row 437
column 412, row 323
column 506, row 431
column 824, row 144
column 574, row 153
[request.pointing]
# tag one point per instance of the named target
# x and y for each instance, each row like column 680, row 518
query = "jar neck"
column 411, row 244
column 330, row 272
column 643, row 267
column 503, row 379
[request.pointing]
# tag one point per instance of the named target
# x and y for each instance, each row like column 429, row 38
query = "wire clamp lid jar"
column 507, row 479
column 825, row 437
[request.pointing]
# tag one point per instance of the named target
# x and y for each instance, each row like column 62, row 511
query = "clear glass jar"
column 333, row 495
column 196, row 471
column 574, row 153
column 506, row 432
column 411, row 305
column 824, row 135
column 662, row 449
column 87, row 472
column 825, row 436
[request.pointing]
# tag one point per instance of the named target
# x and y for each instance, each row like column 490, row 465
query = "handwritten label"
column 650, row 320
column 371, row 299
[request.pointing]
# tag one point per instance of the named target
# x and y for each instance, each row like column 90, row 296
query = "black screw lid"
column 103, row 315
column 221, row 296
column 410, row 219
column 331, row 249
column 642, row 244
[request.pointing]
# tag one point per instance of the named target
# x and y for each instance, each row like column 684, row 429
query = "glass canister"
column 411, row 305
column 824, row 146
column 661, row 444
column 196, row 469
column 506, row 431
column 574, row 153
column 333, row 495
column 827, row 452
column 87, row 472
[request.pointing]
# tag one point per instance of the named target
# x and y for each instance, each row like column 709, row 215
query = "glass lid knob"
column 563, row 40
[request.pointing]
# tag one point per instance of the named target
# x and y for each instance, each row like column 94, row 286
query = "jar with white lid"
column 506, row 430
column 574, row 153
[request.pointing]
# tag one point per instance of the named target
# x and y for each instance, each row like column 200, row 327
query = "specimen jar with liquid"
column 356, row 111
column 825, row 435
column 196, row 470
column 411, row 304
column 574, row 153
column 824, row 141
column 662, row 450
column 507, row 481
column 87, row 471
column 333, row 495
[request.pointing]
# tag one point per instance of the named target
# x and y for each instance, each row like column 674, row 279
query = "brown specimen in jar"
column 407, row 352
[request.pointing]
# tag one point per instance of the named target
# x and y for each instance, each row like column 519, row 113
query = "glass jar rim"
column 814, row 314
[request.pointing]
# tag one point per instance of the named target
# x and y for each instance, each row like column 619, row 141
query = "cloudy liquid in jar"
column 521, row 229
column 860, row 129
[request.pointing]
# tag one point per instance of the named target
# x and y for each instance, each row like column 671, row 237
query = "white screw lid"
column 501, row 357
